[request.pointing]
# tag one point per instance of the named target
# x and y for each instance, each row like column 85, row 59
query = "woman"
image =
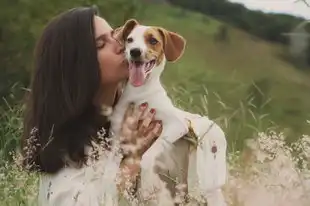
column 79, row 66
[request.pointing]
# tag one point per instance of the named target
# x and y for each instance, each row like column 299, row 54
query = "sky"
column 293, row 7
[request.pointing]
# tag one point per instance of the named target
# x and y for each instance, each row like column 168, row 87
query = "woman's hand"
column 138, row 133
column 139, row 130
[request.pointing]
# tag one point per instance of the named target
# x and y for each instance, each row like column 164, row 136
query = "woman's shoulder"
column 61, row 187
column 78, row 185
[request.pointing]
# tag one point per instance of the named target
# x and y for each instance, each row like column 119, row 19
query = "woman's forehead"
column 101, row 26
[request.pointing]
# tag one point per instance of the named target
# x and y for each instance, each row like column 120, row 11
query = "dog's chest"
column 165, row 111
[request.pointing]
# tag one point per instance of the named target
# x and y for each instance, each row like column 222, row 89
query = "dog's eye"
column 153, row 41
column 129, row 40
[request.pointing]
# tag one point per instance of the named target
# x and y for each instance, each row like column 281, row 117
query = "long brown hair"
column 60, row 116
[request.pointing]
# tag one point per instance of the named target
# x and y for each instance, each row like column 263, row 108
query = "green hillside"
column 231, row 71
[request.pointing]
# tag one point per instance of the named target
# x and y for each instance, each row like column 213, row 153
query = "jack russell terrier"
column 147, row 50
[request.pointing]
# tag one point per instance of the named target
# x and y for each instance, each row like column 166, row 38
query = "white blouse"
column 94, row 185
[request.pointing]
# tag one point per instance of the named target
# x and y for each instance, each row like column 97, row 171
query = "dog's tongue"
column 137, row 74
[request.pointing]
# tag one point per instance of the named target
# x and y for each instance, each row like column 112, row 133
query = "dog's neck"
column 152, row 85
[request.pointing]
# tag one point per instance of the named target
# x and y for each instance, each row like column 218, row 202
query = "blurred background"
column 246, row 69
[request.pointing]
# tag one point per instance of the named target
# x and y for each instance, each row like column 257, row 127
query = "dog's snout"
column 135, row 53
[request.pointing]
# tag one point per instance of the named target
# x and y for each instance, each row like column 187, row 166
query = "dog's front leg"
column 174, row 128
column 152, row 187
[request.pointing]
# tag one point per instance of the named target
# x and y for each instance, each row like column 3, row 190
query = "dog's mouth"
column 139, row 71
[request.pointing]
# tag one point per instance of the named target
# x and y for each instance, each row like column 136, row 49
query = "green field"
column 218, row 77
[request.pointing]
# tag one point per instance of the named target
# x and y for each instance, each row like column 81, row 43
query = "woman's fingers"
column 128, row 121
column 150, row 136
column 129, row 111
column 139, row 130
column 131, row 120
column 134, row 115
column 139, row 113
column 145, row 123
column 154, row 129
column 155, row 132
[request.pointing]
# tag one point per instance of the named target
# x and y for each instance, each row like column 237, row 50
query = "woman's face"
column 111, row 57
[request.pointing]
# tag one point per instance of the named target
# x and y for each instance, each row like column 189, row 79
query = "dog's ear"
column 174, row 44
column 123, row 31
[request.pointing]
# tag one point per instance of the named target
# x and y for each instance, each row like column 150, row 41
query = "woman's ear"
column 174, row 44
column 123, row 31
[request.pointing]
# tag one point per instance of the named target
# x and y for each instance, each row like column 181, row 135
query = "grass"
column 17, row 186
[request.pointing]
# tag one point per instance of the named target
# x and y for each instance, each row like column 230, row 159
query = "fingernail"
column 152, row 110
column 144, row 104
column 158, row 127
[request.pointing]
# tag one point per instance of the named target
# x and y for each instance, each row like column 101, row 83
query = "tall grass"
column 269, row 172
column 264, row 169
column 16, row 186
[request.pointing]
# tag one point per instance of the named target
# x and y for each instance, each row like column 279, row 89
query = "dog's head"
column 147, row 49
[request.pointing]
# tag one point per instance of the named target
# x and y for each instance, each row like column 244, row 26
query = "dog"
column 147, row 49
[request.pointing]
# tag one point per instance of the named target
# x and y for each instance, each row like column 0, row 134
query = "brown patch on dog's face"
column 154, row 43
column 162, row 43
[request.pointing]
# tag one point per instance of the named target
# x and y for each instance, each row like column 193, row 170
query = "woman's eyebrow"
column 104, row 36
column 101, row 37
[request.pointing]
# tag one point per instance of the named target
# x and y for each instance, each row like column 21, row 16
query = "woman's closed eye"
column 102, row 40
column 100, row 43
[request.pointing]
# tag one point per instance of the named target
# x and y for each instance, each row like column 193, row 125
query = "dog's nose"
column 135, row 53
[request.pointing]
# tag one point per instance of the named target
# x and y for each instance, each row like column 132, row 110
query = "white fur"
column 138, row 35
